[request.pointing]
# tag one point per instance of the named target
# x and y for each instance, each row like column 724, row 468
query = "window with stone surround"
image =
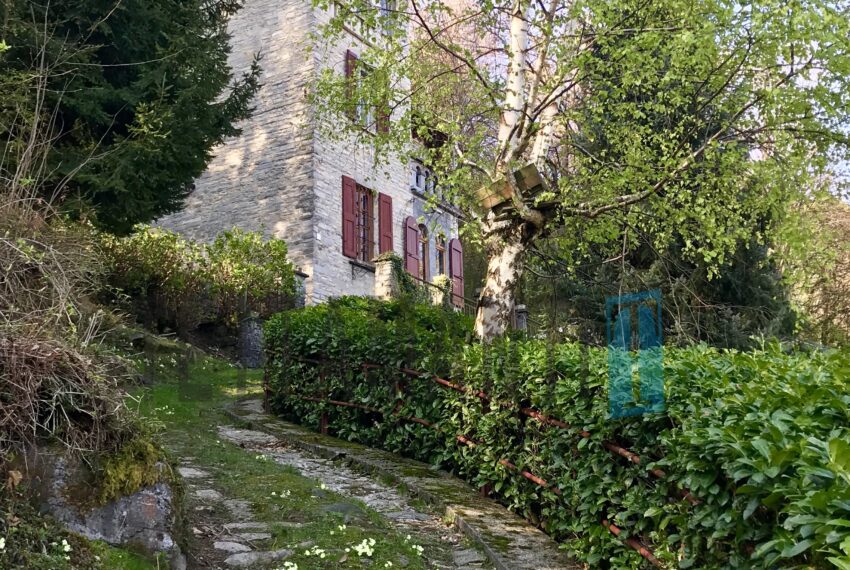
column 365, row 224
column 440, row 246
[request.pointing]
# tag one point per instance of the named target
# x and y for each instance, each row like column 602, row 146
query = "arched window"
column 419, row 178
column 429, row 182
column 424, row 258
column 440, row 246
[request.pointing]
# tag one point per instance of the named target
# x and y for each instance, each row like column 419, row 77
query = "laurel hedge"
column 758, row 439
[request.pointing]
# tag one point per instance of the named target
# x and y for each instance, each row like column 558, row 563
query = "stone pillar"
column 300, row 289
column 386, row 281
column 521, row 318
column 251, row 342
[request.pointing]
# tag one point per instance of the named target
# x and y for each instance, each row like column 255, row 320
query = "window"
column 365, row 112
column 360, row 107
column 424, row 258
column 418, row 179
column 364, row 224
column 440, row 244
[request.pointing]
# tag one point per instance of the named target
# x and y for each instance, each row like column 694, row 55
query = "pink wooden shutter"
column 456, row 271
column 351, row 83
column 385, row 223
column 411, row 246
column 349, row 224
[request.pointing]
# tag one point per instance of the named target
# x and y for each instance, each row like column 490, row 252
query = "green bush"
column 759, row 438
column 173, row 282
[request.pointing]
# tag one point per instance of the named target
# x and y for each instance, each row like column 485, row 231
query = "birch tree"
column 577, row 116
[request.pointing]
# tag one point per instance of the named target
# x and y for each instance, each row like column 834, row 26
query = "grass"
column 185, row 402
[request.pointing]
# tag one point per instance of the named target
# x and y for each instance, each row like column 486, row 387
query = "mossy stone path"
column 253, row 501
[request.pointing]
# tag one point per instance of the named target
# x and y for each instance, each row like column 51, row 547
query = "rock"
column 467, row 556
column 144, row 520
column 208, row 495
column 192, row 473
column 252, row 559
column 231, row 547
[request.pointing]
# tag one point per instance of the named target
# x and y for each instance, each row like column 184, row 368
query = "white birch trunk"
column 498, row 297
column 515, row 87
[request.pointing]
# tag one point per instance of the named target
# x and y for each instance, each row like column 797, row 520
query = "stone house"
column 326, row 198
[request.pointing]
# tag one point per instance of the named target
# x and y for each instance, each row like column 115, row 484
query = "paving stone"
column 231, row 547
column 467, row 556
column 252, row 559
column 247, row 526
column 246, row 436
column 250, row 536
column 208, row 494
column 408, row 516
column 343, row 508
column 192, row 473
column 238, row 508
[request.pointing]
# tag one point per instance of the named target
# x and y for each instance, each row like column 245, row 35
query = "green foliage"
column 179, row 283
column 746, row 301
column 139, row 92
column 759, row 438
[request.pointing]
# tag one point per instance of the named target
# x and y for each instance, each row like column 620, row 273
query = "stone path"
column 421, row 526
column 510, row 543
column 225, row 532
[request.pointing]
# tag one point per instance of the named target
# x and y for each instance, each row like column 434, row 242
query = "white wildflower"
column 365, row 548
column 2, row 543
column 65, row 546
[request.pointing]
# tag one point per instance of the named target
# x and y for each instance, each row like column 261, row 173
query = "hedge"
column 178, row 283
column 752, row 449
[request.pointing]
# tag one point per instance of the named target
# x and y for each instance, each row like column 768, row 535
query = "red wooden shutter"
column 385, row 223
column 456, row 271
column 351, row 83
column 349, row 223
column 411, row 246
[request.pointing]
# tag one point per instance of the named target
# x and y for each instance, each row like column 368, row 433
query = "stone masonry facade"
column 282, row 176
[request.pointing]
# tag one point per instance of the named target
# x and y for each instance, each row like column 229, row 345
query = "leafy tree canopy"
column 691, row 122
column 134, row 92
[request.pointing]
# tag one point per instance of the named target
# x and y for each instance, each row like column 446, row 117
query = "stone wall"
column 334, row 274
column 282, row 175
column 263, row 179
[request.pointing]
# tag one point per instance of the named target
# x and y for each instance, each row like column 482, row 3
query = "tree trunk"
column 504, row 268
